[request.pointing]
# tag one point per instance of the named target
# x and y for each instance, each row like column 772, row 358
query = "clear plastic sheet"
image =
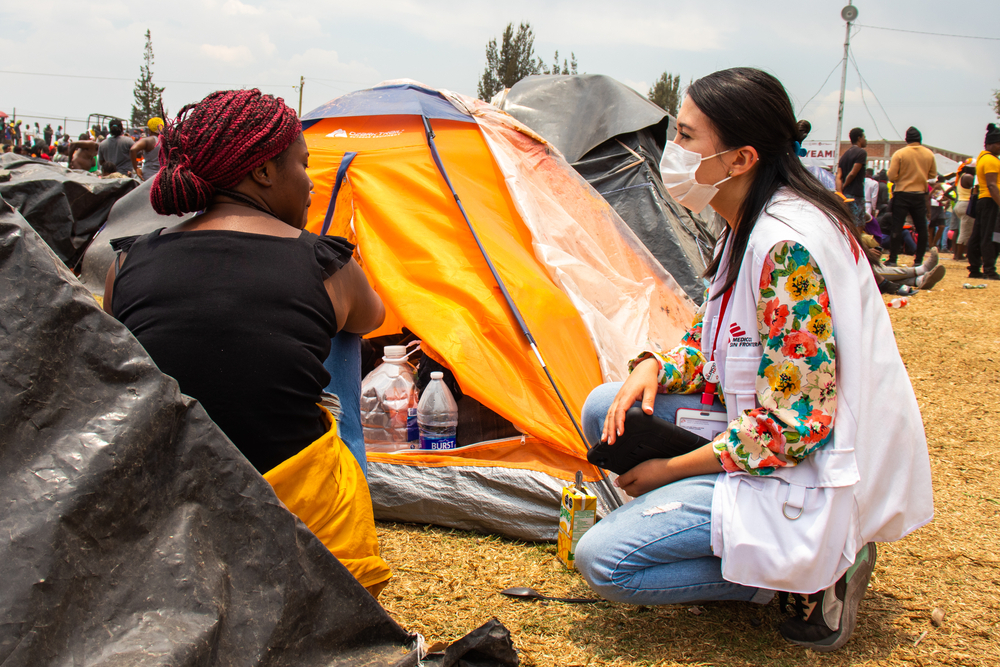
column 628, row 301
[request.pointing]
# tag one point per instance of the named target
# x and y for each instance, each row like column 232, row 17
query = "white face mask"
column 677, row 168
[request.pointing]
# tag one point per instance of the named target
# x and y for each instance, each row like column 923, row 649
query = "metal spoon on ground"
column 531, row 593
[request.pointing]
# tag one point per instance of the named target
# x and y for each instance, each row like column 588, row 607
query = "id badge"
column 706, row 423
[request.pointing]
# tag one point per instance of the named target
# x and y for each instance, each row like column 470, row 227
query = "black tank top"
column 243, row 322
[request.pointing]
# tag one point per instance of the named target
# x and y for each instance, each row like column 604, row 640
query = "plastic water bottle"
column 389, row 403
column 437, row 415
column 899, row 303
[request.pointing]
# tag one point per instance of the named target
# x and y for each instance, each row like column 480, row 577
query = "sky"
column 942, row 85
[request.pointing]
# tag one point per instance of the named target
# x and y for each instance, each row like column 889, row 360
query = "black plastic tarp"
column 591, row 118
column 134, row 532
column 65, row 207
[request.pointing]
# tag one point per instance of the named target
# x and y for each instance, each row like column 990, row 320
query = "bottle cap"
column 395, row 351
column 437, row 375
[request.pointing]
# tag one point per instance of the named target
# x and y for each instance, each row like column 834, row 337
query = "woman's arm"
column 109, row 282
column 675, row 372
column 655, row 473
column 680, row 368
column 796, row 381
column 357, row 306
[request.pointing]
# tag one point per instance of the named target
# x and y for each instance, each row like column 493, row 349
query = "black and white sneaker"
column 824, row 621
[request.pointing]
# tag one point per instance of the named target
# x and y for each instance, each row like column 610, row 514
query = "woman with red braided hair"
column 239, row 305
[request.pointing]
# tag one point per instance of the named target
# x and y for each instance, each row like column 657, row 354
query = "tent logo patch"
column 375, row 135
column 338, row 133
column 739, row 337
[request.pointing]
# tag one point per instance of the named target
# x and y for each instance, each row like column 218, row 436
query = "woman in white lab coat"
column 794, row 347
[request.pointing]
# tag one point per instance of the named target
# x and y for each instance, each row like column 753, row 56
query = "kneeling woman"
column 239, row 304
column 824, row 453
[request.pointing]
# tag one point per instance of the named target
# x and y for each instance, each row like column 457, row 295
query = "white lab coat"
column 800, row 528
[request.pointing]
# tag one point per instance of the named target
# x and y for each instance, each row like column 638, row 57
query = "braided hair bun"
column 216, row 143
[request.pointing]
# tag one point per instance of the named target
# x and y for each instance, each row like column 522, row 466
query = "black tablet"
column 645, row 437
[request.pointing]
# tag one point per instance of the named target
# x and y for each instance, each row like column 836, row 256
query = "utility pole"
column 849, row 14
column 302, row 81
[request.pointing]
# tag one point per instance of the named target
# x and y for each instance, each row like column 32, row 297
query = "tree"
column 514, row 60
column 996, row 102
column 567, row 67
column 148, row 96
column 666, row 93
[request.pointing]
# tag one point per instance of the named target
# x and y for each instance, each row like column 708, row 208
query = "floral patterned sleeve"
column 796, row 386
column 680, row 368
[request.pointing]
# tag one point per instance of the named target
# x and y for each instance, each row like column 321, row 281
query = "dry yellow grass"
column 448, row 582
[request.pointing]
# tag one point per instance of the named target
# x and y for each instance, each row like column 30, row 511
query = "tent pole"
column 513, row 307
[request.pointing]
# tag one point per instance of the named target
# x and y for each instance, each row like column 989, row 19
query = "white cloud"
column 640, row 87
column 934, row 82
column 227, row 54
column 267, row 44
column 237, row 8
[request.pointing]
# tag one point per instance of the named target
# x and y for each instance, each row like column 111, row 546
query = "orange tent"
column 378, row 159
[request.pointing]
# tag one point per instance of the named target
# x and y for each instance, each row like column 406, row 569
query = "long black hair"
column 748, row 107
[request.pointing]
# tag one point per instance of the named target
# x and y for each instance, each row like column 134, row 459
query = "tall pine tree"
column 666, row 93
column 148, row 96
column 514, row 60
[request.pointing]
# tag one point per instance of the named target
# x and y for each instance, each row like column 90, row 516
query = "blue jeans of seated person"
column 657, row 549
column 344, row 365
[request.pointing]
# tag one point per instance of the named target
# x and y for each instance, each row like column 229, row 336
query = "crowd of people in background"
column 907, row 210
column 910, row 209
column 107, row 151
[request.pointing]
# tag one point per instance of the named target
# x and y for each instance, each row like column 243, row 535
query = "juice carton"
column 577, row 514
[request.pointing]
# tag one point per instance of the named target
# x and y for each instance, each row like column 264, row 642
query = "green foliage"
column 568, row 67
column 666, row 93
column 514, row 60
column 148, row 96
column 996, row 102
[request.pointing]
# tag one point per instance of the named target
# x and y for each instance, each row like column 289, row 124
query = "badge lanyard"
column 711, row 371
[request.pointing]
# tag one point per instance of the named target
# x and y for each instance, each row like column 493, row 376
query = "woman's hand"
column 645, row 477
column 655, row 473
column 642, row 383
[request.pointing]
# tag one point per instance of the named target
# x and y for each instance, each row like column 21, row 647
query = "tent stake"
column 616, row 501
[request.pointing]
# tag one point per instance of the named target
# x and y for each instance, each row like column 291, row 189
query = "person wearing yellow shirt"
column 982, row 243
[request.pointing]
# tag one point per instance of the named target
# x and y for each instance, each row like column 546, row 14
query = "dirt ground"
column 448, row 582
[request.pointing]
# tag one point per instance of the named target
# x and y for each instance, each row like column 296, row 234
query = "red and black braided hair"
column 216, row 143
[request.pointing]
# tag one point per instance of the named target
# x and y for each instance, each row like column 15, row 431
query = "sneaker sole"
column 934, row 276
column 856, row 589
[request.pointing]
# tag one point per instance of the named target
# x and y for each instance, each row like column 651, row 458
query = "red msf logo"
column 735, row 331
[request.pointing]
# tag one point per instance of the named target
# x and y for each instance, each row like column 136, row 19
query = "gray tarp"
column 65, row 207
column 134, row 532
column 576, row 113
column 132, row 215
column 600, row 125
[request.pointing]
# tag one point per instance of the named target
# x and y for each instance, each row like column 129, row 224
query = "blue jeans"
column 658, row 548
column 344, row 365
column 861, row 216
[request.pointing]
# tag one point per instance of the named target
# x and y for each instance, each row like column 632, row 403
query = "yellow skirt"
column 324, row 486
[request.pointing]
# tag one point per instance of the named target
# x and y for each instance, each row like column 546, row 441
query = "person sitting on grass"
column 239, row 304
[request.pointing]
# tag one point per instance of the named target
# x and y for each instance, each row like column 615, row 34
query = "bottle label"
column 437, row 443
column 412, row 428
